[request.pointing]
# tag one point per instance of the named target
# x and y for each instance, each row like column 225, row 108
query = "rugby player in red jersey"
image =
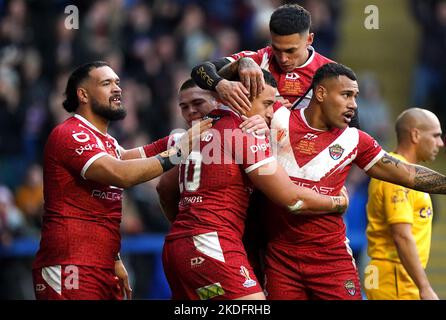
column 204, row 256
column 85, row 172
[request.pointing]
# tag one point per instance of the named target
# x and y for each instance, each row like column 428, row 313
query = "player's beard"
column 107, row 111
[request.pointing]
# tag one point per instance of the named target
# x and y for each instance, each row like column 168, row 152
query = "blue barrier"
column 144, row 243
column 141, row 244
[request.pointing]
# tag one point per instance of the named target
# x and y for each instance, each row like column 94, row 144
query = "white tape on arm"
column 297, row 206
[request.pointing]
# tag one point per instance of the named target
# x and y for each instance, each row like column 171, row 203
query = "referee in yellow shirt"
column 400, row 219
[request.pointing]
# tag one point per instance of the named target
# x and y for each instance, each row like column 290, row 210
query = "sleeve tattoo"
column 424, row 179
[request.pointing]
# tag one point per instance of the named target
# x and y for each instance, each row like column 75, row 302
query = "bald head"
column 419, row 135
column 414, row 118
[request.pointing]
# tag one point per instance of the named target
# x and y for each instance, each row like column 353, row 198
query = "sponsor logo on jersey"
column 191, row 200
column 425, row 212
column 81, row 137
column 106, row 195
column 292, row 76
column 210, row 291
column 40, row 287
column 196, row 262
column 336, row 151
column 321, row 189
column 310, row 136
column 248, row 281
column 349, row 285
column 256, row 147
column 87, row 147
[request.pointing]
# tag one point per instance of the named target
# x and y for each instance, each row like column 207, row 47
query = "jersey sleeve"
column 152, row 149
column 79, row 148
column 396, row 203
column 255, row 55
column 255, row 151
column 369, row 151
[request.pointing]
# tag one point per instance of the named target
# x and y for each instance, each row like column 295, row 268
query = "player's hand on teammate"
column 123, row 277
column 284, row 102
column 251, row 76
column 255, row 124
column 234, row 95
column 190, row 140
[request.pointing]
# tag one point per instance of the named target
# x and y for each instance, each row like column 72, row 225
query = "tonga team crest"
column 336, row 151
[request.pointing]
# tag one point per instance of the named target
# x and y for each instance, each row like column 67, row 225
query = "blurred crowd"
column 152, row 45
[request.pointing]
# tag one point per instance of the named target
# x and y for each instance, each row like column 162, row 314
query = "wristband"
column 205, row 76
column 118, row 257
column 170, row 158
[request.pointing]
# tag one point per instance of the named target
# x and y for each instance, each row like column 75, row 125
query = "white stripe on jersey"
column 53, row 277
column 322, row 164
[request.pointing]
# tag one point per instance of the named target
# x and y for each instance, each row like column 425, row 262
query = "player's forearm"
column 315, row 203
column 408, row 175
column 429, row 181
column 134, row 153
column 408, row 254
column 230, row 71
column 108, row 170
column 129, row 173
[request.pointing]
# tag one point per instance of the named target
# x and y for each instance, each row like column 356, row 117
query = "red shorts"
column 328, row 273
column 207, row 266
column 71, row 282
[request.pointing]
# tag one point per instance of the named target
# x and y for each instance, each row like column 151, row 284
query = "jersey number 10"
column 190, row 172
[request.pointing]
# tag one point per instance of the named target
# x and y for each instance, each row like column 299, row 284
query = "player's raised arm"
column 408, row 175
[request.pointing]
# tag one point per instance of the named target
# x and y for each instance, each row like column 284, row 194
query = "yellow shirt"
column 388, row 204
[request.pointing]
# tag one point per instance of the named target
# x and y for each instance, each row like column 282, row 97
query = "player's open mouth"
column 348, row 116
column 116, row 99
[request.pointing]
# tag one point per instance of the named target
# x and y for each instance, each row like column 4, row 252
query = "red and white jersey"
column 214, row 186
column 291, row 85
column 82, row 217
column 319, row 160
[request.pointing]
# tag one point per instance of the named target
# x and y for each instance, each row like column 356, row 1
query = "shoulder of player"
column 321, row 58
column 80, row 132
column 224, row 118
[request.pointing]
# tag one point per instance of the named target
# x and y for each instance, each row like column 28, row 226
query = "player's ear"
column 320, row 93
column 414, row 135
column 310, row 39
column 82, row 95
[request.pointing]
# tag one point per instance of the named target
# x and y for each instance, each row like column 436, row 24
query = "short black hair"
column 269, row 79
column 289, row 19
column 189, row 83
column 71, row 102
column 332, row 70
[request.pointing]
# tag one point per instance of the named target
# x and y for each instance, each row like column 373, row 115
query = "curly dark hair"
column 289, row 19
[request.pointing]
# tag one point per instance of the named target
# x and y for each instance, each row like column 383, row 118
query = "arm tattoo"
column 229, row 71
column 429, row 181
column 387, row 159
column 337, row 204
column 247, row 63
